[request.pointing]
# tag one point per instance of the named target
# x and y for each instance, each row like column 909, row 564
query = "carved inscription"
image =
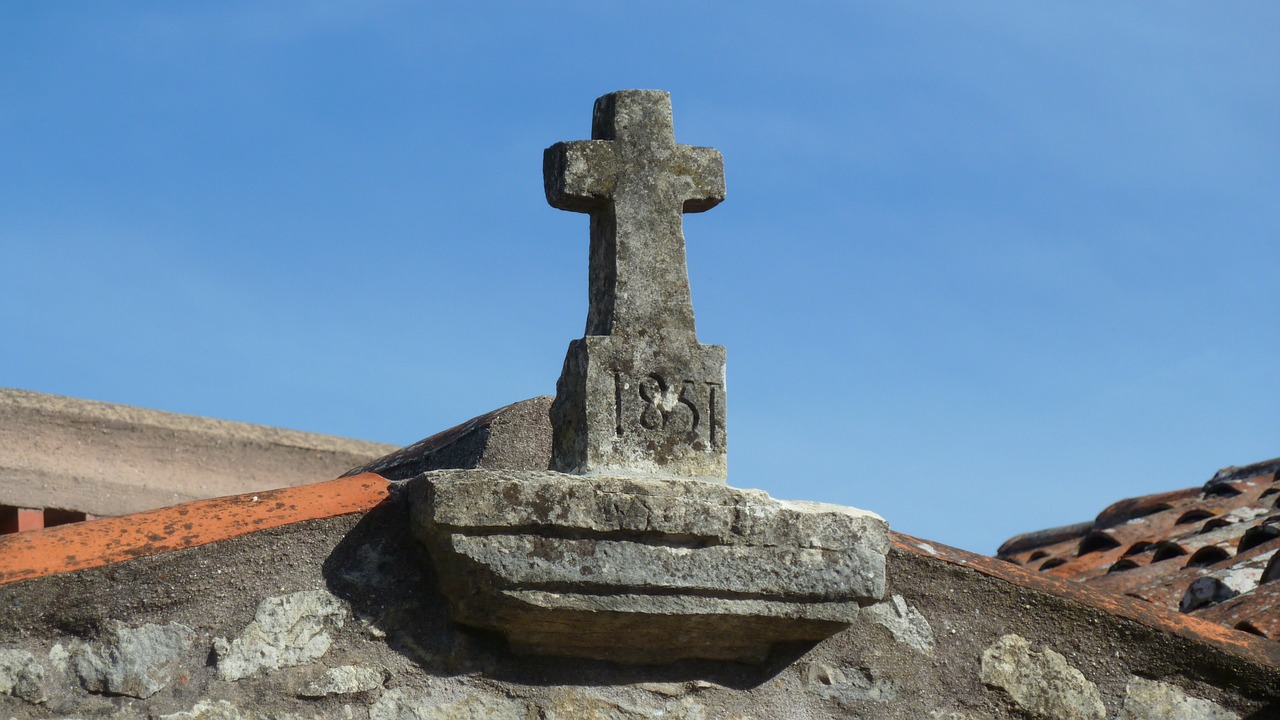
column 676, row 407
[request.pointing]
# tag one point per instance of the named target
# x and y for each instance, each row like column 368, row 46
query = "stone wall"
column 341, row 618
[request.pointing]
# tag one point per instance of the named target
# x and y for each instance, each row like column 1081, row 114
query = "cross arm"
column 704, row 167
column 580, row 176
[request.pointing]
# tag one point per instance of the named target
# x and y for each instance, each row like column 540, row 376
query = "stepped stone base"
column 644, row 570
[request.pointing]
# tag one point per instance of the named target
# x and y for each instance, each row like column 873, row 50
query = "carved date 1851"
column 684, row 407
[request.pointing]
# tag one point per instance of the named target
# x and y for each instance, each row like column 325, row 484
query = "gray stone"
column 673, row 510
column 287, row 630
column 21, row 676
column 1151, row 700
column 638, row 393
column 400, row 704
column 576, row 704
column 346, row 679
column 849, row 684
column 565, row 565
column 904, row 622
column 1040, row 682
column 207, row 710
column 139, row 662
column 59, row 657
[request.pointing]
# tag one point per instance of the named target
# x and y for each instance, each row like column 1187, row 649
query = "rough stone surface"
column 21, row 676
column 286, row 631
column 904, row 622
column 346, row 679
column 849, row 685
column 1151, row 700
column 577, row 704
column 564, row 565
column 401, row 704
column 1040, row 682
column 138, row 662
column 207, row 710
column 638, row 393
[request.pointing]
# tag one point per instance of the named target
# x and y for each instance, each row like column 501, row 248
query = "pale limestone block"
column 401, row 704
column 1151, row 700
column 904, row 622
column 287, row 630
column 139, row 662
column 346, row 679
column 1041, row 682
column 21, row 676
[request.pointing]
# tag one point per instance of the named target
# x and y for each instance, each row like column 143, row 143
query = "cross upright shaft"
column 635, row 182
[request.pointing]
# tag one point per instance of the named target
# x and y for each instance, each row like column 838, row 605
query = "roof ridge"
column 1232, row 473
column 1242, row 644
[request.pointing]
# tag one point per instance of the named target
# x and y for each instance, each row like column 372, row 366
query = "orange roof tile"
column 94, row 543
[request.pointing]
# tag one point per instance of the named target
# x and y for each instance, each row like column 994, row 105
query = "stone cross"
column 638, row 394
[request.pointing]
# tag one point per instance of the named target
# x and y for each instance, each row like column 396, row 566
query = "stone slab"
column 672, row 511
column 569, row 565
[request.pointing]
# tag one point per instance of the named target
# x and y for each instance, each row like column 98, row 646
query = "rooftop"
column 1209, row 552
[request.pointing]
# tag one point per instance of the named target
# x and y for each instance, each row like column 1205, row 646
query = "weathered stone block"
column 644, row 570
column 21, row 675
column 401, row 704
column 135, row 661
column 286, row 631
column 1151, row 700
column 626, row 408
column 345, row 680
column 904, row 622
column 1041, row 682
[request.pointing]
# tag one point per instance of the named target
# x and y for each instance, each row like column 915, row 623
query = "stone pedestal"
column 644, row 570
column 640, row 409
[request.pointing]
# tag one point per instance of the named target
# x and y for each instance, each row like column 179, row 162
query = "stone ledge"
column 567, row 565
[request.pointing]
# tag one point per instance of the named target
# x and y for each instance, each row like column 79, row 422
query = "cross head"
column 635, row 181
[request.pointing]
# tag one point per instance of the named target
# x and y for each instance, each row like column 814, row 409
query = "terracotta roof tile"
column 1208, row 551
column 78, row 546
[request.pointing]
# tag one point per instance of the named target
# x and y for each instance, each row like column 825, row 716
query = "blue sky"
column 983, row 267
